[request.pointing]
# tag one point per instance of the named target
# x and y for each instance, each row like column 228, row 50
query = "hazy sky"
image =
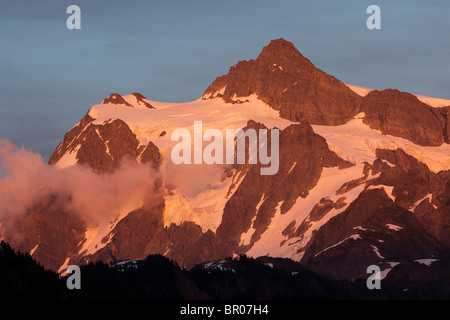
column 171, row 50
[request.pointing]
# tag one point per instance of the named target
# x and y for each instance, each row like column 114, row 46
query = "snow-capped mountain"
column 363, row 176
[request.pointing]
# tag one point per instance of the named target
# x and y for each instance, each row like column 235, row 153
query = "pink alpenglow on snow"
column 214, row 151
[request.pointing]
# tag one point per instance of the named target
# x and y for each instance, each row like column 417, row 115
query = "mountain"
column 393, row 112
column 284, row 79
column 103, row 146
column 363, row 178
column 133, row 100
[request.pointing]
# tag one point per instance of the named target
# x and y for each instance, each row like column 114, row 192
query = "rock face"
column 68, row 145
column 401, row 114
column 410, row 224
column 143, row 232
column 141, row 100
column 287, row 81
column 302, row 154
column 135, row 99
column 446, row 114
column 419, row 190
column 372, row 231
column 151, row 155
column 103, row 147
column 115, row 98
column 48, row 230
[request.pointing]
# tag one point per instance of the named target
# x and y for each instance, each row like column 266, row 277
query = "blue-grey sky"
column 171, row 50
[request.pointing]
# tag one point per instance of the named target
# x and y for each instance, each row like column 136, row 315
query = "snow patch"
column 63, row 268
column 293, row 166
column 428, row 196
column 68, row 159
column 34, row 249
column 388, row 163
column 362, row 229
column 126, row 262
column 385, row 272
column 394, row 227
column 426, row 262
column 353, row 236
column 377, row 252
column 387, row 189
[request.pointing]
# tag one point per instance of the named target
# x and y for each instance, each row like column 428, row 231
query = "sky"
column 172, row 50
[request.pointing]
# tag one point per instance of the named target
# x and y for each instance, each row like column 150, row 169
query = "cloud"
column 95, row 198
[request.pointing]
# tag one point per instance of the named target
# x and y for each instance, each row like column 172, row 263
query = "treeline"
column 158, row 278
column 23, row 278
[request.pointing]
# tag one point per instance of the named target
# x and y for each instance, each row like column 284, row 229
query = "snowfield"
column 200, row 191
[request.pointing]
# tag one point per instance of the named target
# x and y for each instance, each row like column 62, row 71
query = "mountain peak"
column 283, row 53
column 131, row 100
column 115, row 98
column 279, row 45
column 288, row 82
column 141, row 100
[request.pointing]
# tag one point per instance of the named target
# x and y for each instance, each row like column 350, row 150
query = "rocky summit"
column 287, row 81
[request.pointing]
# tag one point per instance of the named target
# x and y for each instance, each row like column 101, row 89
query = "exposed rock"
column 445, row 113
column 142, row 232
column 47, row 227
column 287, row 81
column 191, row 246
column 302, row 155
column 104, row 146
column 115, row 98
column 410, row 278
column 418, row 189
column 361, row 236
column 321, row 209
column 132, row 234
column 289, row 230
column 140, row 99
column 151, row 155
column 401, row 114
column 68, row 145
column 349, row 242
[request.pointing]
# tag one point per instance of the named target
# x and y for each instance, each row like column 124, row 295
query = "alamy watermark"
column 220, row 150
column 374, row 280
column 74, row 20
column 74, row 280
column 374, row 20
